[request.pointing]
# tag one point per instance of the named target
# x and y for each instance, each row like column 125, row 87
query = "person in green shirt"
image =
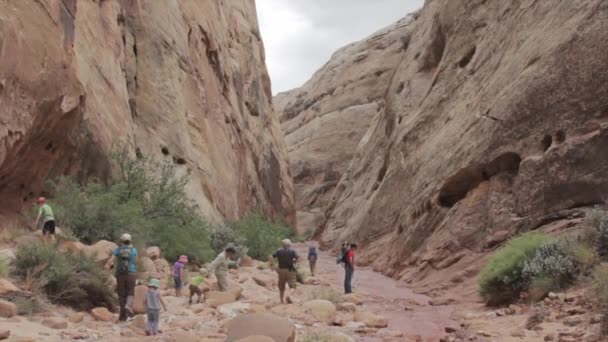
column 45, row 215
column 195, row 288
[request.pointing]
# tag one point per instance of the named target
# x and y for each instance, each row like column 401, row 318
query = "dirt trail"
column 389, row 298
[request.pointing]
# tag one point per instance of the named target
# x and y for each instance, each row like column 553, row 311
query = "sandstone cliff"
column 183, row 80
column 325, row 119
column 495, row 122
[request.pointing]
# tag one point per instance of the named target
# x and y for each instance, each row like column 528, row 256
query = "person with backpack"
column 220, row 266
column 343, row 250
column 153, row 302
column 123, row 259
column 312, row 258
column 287, row 258
column 45, row 215
column 349, row 268
column 178, row 274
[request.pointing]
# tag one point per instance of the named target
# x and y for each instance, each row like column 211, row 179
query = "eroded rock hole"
column 458, row 185
column 400, row 88
column 164, row 150
column 49, row 146
column 546, row 142
column 464, row 61
column 560, row 136
column 179, row 160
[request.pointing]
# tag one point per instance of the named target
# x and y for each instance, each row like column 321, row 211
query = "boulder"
column 278, row 328
column 71, row 246
column 4, row 334
column 102, row 314
column 101, row 251
column 153, row 252
column 322, row 310
column 263, row 280
column 138, row 302
column 246, row 262
column 7, row 309
column 371, row 319
column 354, row 298
column 348, row 307
column 55, row 323
column 218, row 298
column 140, row 322
column 256, row 338
column 7, row 287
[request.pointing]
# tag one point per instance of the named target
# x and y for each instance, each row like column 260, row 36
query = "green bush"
column 552, row 261
column 68, row 279
column 501, row 280
column 598, row 291
column 148, row 200
column 223, row 235
column 261, row 236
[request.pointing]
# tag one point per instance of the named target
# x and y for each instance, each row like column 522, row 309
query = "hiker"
column 178, row 274
column 287, row 272
column 195, row 287
column 123, row 259
column 343, row 251
column 45, row 214
column 312, row 258
column 349, row 268
column 153, row 301
column 220, row 265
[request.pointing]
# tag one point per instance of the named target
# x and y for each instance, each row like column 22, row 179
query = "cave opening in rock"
column 560, row 136
column 164, row 150
column 464, row 61
column 546, row 142
column 458, row 185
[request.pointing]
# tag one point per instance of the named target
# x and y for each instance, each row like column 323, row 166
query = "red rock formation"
column 496, row 123
column 184, row 80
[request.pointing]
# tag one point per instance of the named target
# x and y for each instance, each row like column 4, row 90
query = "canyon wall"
column 494, row 122
column 182, row 81
column 325, row 119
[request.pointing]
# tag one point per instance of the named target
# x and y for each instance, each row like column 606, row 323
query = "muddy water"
column 389, row 298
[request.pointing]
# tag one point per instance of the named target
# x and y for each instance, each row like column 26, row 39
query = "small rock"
column 591, row 337
column 76, row 317
column 4, row 334
column 7, row 287
column 534, row 320
column 515, row 309
column 553, row 296
column 442, row 301
column 102, row 314
column 140, row 322
column 491, row 315
column 596, row 319
column 370, row 319
column 395, row 334
column 574, row 321
column 484, row 334
column 550, row 337
column 7, row 309
column 354, row 298
column 322, row 310
column 348, row 307
column 55, row 323
column 518, row 333
column 576, row 311
column 450, row 330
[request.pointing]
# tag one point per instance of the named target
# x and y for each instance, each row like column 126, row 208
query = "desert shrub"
column 552, row 261
column 3, row 267
column 223, row 235
column 501, row 280
column 598, row 289
column 69, row 279
column 261, row 236
column 148, row 200
column 585, row 256
column 596, row 232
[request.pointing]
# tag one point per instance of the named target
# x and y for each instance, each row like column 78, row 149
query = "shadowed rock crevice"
column 458, row 186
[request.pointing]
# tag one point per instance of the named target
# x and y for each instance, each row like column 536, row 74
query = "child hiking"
column 312, row 259
column 178, row 274
column 195, row 288
column 45, row 215
column 153, row 302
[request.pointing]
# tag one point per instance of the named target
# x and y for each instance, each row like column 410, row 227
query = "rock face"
column 181, row 81
column 495, row 120
column 325, row 119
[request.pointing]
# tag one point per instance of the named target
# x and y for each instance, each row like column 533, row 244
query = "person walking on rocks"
column 312, row 258
column 349, row 268
column 287, row 258
column 45, row 215
column 123, row 259
column 153, row 302
column 178, row 274
column 195, row 288
column 220, row 266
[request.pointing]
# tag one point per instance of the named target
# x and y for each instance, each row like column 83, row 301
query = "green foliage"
column 261, row 236
column 3, row 268
column 69, row 279
column 223, row 235
column 597, row 230
column 598, row 291
column 501, row 281
column 553, row 261
column 148, row 200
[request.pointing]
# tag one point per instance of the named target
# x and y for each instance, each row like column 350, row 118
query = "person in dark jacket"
column 349, row 268
column 312, row 259
column 287, row 259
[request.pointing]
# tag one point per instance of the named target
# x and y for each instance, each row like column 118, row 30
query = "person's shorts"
column 48, row 227
column 286, row 276
column 178, row 282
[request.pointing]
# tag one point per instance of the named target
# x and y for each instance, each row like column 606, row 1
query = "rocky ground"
column 382, row 309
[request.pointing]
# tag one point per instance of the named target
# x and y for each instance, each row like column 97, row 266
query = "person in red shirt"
column 349, row 268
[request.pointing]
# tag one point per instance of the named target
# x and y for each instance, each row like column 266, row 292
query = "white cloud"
column 300, row 35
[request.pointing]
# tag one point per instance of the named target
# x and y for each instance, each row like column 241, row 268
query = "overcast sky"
column 300, row 35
